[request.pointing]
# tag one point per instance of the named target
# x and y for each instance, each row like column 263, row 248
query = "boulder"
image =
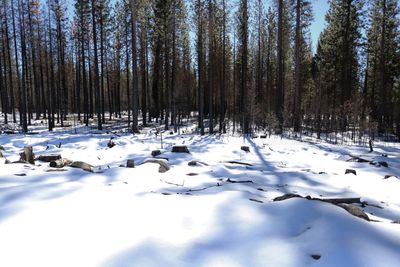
column 180, row 149
column 380, row 163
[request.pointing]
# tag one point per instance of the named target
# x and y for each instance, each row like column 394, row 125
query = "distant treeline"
column 236, row 62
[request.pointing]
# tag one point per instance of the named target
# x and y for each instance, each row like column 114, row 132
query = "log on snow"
column 60, row 163
column 82, row 165
column 49, row 158
column 344, row 203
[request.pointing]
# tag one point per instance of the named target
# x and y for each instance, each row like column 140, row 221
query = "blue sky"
column 320, row 8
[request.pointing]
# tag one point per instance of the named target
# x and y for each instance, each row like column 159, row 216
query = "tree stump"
column 245, row 149
column 155, row 153
column 130, row 163
column 28, row 155
column 111, row 143
column 180, row 149
column 350, row 171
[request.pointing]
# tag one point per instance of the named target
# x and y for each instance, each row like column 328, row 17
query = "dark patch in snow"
column 256, row 200
column 348, row 171
column 316, row 257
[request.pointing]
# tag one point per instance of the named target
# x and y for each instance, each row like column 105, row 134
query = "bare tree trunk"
column 135, row 94
column 280, row 78
column 297, row 100
column 96, row 69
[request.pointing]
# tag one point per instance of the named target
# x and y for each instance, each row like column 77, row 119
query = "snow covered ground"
column 219, row 214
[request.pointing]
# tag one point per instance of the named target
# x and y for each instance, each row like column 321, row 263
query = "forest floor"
column 219, row 212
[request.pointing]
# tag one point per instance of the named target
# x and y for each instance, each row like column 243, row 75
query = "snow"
column 139, row 217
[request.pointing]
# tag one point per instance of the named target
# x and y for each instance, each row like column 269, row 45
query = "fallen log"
column 82, row 165
column 287, row 196
column 344, row 203
column 56, row 170
column 389, row 176
column 357, row 159
column 196, row 163
column 164, row 167
column 60, row 163
column 239, row 163
column 49, row 158
column 355, row 211
column 354, row 200
column 256, row 200
column 372, row 162
column 238, row 182
column 180, row 149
